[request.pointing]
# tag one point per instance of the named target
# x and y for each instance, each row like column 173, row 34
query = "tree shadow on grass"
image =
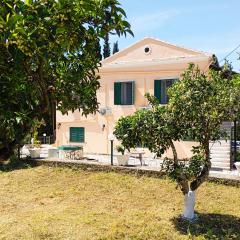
column 210, row 226
column 15, row 164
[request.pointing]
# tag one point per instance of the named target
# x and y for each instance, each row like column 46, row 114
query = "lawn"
column 60, row 203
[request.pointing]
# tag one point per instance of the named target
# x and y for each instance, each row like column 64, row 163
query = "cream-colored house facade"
column 148, row 66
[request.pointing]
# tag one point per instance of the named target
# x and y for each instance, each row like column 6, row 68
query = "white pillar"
column 189, row 204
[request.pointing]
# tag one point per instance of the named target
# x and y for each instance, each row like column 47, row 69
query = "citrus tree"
column 198, row 104
column 49, row 57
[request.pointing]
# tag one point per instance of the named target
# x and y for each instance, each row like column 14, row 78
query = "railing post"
column 111, row 152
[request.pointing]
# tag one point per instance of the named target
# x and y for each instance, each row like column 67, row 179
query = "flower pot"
column 35, row 152
column 25, row 150
column 122, row 160
column 237, row 164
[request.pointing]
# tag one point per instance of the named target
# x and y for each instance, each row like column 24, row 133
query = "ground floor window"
column 77, row 134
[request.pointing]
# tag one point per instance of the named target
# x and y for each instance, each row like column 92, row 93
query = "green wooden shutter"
column 133, row 93
column 117, row 93
column 157, row 89
column 77, row 134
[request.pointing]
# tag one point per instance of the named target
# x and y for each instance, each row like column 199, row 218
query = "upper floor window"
column 160, row 89
column 124, row 93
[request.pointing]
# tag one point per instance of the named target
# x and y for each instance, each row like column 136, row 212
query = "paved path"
column 155, row 165
column 134, row 163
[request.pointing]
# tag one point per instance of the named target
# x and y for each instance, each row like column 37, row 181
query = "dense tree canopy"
column 198, row 104
column 49, row 56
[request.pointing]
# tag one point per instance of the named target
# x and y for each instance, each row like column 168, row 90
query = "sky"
column 207, row 25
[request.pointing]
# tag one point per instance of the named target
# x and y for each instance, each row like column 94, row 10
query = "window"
column 147, row 50
column 77, row 134
column 124, row 93
column 160, row 89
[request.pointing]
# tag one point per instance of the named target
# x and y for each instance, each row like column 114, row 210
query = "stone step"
column 226, row 160
column 220, row 162
column 220, row 159
column 218, row 147
column 222, row 150
column 220, row 168
column 226, row 150
column 220, row 143
column 214, row 164
column 220, row 155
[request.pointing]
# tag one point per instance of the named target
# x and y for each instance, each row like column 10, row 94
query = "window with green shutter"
column 160, row 89
column 124, row 93
column 77, row 134
column 117, row 93
column 157, row 89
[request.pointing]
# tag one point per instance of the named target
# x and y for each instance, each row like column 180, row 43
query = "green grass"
column 60, row 203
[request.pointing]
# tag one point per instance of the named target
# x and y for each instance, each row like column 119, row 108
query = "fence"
column 46, row 139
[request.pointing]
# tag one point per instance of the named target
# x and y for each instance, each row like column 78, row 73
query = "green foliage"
column 36, row 142
column 13, row 164
column 48, row 57
column 120, row 149
column 238, row 157
column 153, row 129
column 98, row 50
column 19, row 98
column 198, row 104
column 124, row 131
column 106, row 47
column 185, row 170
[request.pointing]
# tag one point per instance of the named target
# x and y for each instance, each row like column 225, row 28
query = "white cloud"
column 152, row 21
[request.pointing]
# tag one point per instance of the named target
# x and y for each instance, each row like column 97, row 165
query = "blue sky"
column 206, row 25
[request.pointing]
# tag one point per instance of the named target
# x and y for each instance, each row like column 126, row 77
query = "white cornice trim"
column 153, row 63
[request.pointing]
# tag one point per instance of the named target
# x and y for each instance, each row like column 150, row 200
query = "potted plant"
column 123, row 158
column 35, row 147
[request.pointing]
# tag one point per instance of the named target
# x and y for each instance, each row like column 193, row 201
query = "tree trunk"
column 43, row 86
column 206, row 168
column 184, row 186
column 7, row 151
column 174, row 151
column 189, row 204
column 182, row 182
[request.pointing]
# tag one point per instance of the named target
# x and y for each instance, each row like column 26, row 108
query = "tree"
column 106, row 47
column 98, row 50
column 48, row 57
column 115, row 47
column 18, row 99
column 198, row 104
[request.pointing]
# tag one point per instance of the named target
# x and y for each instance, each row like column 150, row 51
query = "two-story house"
column 148, row 66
